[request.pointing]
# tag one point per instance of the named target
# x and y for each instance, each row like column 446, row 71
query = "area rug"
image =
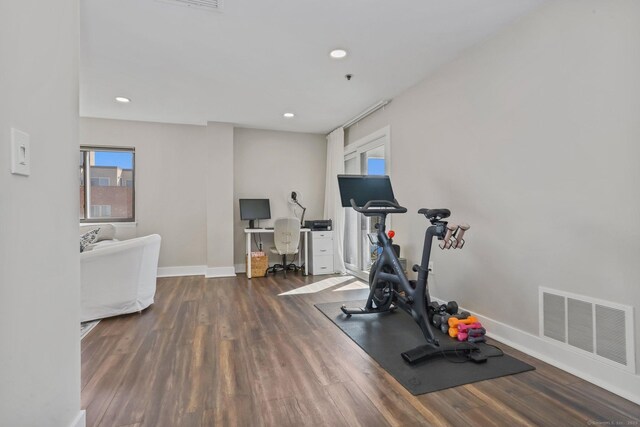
column 385, row 336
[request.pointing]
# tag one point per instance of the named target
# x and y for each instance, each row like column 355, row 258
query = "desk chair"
column 286, row 236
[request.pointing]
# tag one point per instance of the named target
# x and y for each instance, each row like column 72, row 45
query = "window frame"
column 84, row 150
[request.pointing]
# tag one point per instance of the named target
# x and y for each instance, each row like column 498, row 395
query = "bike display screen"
column 363, row 188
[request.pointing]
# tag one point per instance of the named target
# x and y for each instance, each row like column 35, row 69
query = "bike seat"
column 435, row 214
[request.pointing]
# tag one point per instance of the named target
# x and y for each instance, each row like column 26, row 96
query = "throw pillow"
column 106, row 231
column 88, row 238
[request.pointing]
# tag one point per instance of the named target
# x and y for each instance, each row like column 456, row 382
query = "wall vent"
column 212, row 5
column 600, row 329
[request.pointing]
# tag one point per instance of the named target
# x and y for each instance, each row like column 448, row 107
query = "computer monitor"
column 363, row 188
column 252, row 209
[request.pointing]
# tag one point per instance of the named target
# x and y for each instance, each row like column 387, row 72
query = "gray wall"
column 39, row 258
column 534, row 139
column 270, row 164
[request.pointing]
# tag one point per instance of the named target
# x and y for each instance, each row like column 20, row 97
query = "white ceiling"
column 257, row 59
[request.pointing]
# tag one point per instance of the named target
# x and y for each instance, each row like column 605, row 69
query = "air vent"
column 580, row 324
column 211, row 5
column 554, row 318
column 611, row 334
column 600, row 329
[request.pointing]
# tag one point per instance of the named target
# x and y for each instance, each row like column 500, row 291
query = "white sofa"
column 118, row 277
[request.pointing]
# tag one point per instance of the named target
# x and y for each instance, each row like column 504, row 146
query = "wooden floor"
column 230, row 352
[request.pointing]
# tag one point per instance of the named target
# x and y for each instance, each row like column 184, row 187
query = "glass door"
column 368, row 157
column 373, row 163
column 351, row 220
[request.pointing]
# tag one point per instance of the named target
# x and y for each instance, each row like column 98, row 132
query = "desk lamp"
column 294, row 199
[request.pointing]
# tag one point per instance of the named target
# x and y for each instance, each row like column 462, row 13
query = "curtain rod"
column 366, row 112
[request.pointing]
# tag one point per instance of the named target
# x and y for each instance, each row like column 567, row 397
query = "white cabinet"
column 321, row 253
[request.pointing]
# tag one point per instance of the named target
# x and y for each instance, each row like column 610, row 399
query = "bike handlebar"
column 385, row 207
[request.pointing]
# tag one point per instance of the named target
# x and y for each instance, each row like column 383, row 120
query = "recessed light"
column 289, row 115
column 338, row 53
column 123, row 99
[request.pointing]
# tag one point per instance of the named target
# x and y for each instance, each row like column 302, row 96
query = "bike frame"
column 414, row 301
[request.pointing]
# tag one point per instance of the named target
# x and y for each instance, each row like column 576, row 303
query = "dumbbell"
column 434, row 307
column 466, row 330
column 452, row 307
column 448, row 239
column 473, row 332
column 441, row 311
column 458, row 238
column 463, row 328
column 480, row 338
column 454, row 321
column 442, row 321
column 463, row 336
column 453, row 332
column 476, row 332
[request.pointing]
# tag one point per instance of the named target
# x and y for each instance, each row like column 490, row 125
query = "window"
column 110, row 195
column 100, row 211
column 101, row 182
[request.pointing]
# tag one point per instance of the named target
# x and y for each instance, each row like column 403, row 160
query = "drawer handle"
column 323, row 250
column 323, row 268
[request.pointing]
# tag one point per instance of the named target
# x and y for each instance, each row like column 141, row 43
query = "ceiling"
column 256, row 59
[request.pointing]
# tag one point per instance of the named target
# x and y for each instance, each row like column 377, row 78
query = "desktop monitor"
column 252, row 209
column 363, row 188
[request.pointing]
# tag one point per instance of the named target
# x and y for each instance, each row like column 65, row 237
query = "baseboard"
column 187, row 270
column 615, row 380
column 220, row 272
column 80, row 420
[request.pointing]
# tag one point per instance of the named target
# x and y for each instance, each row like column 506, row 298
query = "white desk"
column 250, row 231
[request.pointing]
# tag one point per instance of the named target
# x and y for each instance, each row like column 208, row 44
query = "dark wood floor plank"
column 94, row 353
column 231, row 352
column 588, row 392
column 355, row 407
column 100, row 390
column 143, row 382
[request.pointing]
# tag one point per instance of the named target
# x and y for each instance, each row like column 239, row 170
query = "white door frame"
column 381, row 137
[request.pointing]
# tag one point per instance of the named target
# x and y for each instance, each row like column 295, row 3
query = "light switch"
column 20, row 153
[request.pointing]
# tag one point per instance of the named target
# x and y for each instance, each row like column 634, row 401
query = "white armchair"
column 119, row 277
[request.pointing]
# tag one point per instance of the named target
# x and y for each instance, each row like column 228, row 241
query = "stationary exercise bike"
column 389, row 287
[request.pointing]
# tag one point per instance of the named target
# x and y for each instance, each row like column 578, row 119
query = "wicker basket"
column 259, row 264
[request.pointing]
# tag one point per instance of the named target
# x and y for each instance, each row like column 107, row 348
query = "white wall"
column 534, row 139
column 184, row 188
column 186, row 177
column 219, row 183
column 39, row 258
column 269, row 165
column 171, row 166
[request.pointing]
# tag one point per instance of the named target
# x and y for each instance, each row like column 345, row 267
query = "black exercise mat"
column 384, row 336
